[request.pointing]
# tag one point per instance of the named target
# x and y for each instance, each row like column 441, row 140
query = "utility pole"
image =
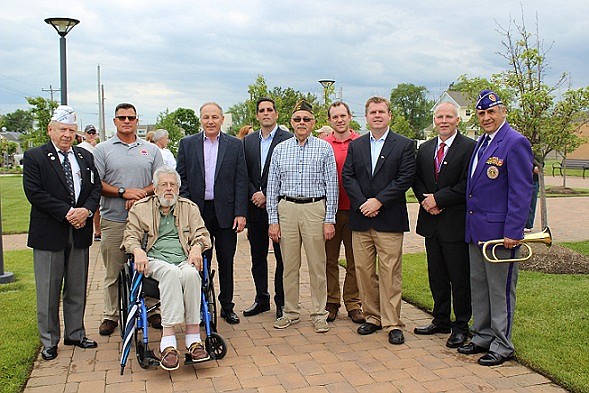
column 102, row 119
column 51, row 90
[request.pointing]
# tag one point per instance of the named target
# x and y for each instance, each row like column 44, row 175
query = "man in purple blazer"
column 498, row 194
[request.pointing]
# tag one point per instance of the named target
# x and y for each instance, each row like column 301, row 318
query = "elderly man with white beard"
column 176, row 239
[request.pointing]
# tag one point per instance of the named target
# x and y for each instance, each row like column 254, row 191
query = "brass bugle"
column 538, row 237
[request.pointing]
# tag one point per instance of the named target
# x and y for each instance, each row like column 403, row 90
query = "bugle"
column 538, row 237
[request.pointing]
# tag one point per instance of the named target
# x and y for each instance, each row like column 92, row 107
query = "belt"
column 302, row 200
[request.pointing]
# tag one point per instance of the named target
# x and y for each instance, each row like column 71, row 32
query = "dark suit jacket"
column 46, row 189
column 392, row 177
column 498, row 198
column 449, row 190
column 258, row 179
column 230, row 176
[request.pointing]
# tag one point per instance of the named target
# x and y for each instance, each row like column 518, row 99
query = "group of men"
column 297, row 190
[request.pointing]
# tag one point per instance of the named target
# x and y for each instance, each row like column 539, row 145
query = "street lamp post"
column 326, row 83
column 62, row 26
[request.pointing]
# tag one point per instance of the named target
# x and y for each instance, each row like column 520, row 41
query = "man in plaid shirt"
column 302, row 203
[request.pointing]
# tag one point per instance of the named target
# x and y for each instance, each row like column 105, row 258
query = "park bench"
column 571, row 163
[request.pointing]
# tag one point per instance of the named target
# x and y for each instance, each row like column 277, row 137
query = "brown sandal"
column 198, row 352
column 170, row 360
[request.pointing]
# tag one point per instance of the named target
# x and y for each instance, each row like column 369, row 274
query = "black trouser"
column 449, row 279
column 224, row 241
column 258, row 238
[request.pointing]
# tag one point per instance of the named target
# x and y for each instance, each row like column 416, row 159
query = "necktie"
column 69, row 179
column 483, row 147
column 439, row 158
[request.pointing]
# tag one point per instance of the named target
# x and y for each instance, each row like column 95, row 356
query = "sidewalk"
column 263, row 359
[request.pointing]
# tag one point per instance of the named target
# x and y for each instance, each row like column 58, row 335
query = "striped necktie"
column 69, row 179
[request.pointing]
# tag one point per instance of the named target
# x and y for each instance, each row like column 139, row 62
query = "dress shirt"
column 475, row 159
column 265, row 147
column 375, row 148
column 210, row 151
column 302, row 171
column 340, row 150
column 76, row 172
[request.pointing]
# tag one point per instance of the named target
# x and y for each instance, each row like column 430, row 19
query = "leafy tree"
column 167, row 121
column 7, row 149
column 401, row 125
column 187, row 120
column 41, row 110
column 18, row 121
column 412, row 103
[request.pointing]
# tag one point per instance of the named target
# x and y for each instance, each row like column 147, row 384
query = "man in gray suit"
column 63, row 187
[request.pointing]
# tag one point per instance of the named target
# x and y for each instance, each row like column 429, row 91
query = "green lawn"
column 551, row 325
column 15, row 207
column 19, row 339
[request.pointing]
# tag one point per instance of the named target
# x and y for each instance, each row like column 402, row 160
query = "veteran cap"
column 64, row 114
column 488, row 99
column 303, row 105
column 89, row 128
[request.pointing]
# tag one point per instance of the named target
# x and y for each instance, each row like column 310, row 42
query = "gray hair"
column 456, row 107
column 159, row 134
column 165, row 170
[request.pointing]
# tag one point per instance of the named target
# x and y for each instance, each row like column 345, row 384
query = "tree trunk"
column 543, row 208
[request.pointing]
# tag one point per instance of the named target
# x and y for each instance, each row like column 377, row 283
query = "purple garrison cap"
column 487, row 99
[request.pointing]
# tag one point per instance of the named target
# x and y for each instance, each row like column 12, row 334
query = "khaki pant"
column 343, row 234
column 179, row 292
column 380, row 287
column 303, row 224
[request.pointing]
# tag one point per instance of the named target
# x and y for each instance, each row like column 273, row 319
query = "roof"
column 11, row 136
column 456, row 97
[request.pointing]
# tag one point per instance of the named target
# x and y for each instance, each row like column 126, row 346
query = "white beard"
column 167, row 202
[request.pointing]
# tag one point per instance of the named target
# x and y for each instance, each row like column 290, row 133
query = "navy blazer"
column 46, row 189
column 258, row 178
column 392, row 177
column 449, row 190
column 230, row 176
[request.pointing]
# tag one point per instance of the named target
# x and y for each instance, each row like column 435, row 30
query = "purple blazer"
column 499, row 192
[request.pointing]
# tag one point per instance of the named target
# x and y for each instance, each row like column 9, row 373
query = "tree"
column 42, row 110
column 401, row 126
column 412, row 103
column 187, row 120
column 18, row 121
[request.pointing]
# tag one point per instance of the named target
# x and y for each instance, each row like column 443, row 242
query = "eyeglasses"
column 130, row 118
column 305, row 119
column 91, row 132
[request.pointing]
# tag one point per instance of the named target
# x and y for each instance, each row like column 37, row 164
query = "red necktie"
column 439, row 158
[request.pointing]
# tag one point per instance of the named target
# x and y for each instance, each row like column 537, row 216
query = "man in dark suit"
column 440, row 186
column 499, row 191
column 63, row 187
column 258, row 148
column 212, row 167
column 379, row 169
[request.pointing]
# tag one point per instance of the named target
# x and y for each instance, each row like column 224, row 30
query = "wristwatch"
column 121, row 191
column 90, row 213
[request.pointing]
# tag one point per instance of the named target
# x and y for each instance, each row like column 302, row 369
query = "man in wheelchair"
column 176, row 238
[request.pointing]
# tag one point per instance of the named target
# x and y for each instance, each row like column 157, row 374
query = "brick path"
column 263, row 359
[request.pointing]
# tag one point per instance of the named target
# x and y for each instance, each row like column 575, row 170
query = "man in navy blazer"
column 63, row 187
column 498, row 194
column 212, row 167
column 378, row 170
column 440, row 187
column 258, row 148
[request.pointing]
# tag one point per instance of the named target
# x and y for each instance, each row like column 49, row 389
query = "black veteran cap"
column 488, row 99
column 303, row 105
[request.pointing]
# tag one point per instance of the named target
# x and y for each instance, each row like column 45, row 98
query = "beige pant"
column 303, row 224
column 179, row 291
column 380, row 286
column 332, row 247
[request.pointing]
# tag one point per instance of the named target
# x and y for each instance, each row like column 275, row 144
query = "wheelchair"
column 133, row 288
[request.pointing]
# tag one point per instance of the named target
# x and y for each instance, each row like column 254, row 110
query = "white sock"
column 191, row 339
column 167, row 341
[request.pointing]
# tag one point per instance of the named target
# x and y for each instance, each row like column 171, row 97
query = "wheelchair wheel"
column 212, row 303
column 123, row 291
column 216, row 346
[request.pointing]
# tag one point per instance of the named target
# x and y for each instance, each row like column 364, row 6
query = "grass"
column 551, row 319
column 15, row 206
column 19, row 338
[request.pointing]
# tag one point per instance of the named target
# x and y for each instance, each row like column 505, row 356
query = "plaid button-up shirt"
column 302, row 171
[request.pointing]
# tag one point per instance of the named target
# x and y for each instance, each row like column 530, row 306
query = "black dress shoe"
column 230, row 317
column 471, row 348
column 155, row 320
column 396, row 337
column 492, row 359
column 255, row 309
column 83, row 343
column 368, row 328
column 456, row 340
column 430, row 329
column 279, row 311
column 49, row 353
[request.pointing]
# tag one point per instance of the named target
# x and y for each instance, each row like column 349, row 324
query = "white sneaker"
column 284, row 322
column 321, row 326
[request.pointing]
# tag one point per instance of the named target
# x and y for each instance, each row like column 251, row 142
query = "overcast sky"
column 170, row 54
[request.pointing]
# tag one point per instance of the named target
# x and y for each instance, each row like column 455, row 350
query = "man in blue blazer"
column 212, row 167
column 498, row 194
column 63, row 187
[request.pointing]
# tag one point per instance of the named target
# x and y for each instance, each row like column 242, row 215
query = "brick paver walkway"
column 263, row 359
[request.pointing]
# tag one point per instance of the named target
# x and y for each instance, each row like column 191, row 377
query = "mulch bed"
column 556, row 260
